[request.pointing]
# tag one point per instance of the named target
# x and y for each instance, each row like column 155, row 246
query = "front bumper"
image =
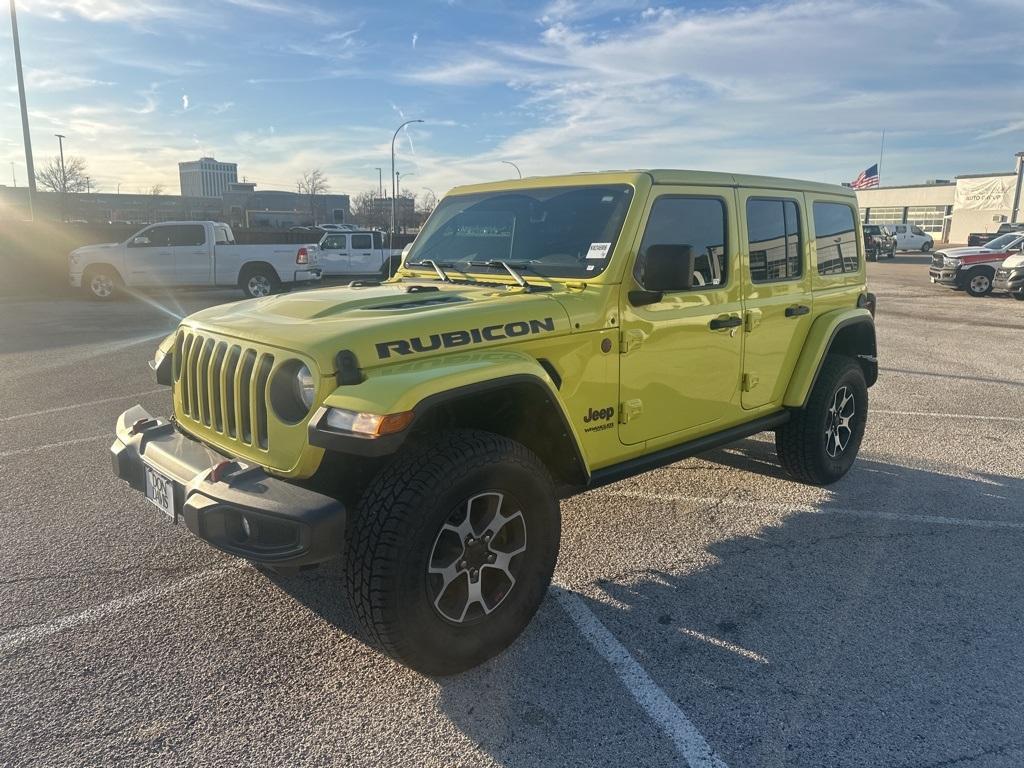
column 245, row 511
column 75, row 278
column 1008, row 280
column 945, row 275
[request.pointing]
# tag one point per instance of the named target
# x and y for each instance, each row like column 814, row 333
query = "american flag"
column 867, row 179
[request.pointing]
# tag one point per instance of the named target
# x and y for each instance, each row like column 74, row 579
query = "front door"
column 150, row 257
column 777, row 311
column 334, row 255
column 680, row 356
column 363, row 258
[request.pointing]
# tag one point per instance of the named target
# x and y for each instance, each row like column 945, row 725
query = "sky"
column 799, row 88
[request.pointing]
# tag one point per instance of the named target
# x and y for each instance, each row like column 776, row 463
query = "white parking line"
column 725, row 645
column 687, row 739
column 964, row 522
column 19, row 637
column 62, row 444
column 83, row 405
column 979, row 417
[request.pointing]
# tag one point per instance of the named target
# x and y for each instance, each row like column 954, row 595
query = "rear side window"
column 696, row 222
column 836, row 238
column 773, row 235
column 187, row 235
column 362, row 242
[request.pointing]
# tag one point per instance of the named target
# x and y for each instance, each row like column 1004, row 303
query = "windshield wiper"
column 437, row 268
column 494, row 263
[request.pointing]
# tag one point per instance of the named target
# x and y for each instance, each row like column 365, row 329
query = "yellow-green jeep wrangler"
column 542, row 337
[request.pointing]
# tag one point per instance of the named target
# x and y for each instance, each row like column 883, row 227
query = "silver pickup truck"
column 190, row 253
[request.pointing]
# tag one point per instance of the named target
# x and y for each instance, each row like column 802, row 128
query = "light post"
column 380, row 182
column 29, row 166
column 398, row 190
column 509, row 162
column 63, row 179
column 394, row 182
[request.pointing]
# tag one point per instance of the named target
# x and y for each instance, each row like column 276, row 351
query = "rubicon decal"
column 451, row 339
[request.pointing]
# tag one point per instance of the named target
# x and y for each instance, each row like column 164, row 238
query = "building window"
column 773, row 237
column 927, row 217
column 887, row 214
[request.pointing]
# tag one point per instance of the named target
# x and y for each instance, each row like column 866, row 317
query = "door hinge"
column 630, row 340
column 629, row 410
column 752, row 319
column 750, row 381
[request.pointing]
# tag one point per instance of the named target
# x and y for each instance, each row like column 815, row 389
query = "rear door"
column 334, row 255
column 150, row 257
column 363, row 257
column 777, row 309
column 193, row 262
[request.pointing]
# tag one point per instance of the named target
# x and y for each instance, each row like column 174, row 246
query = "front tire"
column 101, row 283
column 979, row 282
column 926, row 247
column 820, row 442
column 452, row 550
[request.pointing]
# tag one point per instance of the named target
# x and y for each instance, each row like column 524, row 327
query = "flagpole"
column 881, row 154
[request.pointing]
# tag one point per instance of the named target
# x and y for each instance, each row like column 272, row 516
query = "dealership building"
column 949, row 210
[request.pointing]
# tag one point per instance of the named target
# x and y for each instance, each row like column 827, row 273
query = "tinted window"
column 836, row 238
column 773, row 236
column 186, row 235
column 362, row 242
column 696, row 222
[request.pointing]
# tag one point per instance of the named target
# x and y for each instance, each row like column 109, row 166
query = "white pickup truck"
column 357, row 253
column 190, row 253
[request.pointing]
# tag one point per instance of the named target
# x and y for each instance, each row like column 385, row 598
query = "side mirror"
column 663, row 269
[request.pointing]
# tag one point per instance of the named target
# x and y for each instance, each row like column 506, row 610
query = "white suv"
column 910, row 237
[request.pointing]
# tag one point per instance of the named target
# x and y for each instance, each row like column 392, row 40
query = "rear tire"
column 259, row 281
column 101, row 283
column 820, row 442
column 451, row 550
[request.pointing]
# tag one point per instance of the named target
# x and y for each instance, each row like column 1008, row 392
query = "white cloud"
column 184, row 102
column 415, row 37
column 58, row 80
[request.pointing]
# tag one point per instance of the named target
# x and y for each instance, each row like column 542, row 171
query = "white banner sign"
column 994, row 193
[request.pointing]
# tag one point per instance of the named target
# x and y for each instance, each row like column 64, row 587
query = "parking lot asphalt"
column 710, row 604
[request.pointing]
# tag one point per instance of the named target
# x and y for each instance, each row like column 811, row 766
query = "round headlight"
column 305, row 386
column 293, row 391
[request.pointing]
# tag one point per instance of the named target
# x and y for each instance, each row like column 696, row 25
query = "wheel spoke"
column 474, row 596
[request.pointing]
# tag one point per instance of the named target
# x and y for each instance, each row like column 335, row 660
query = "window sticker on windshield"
column 599, row 250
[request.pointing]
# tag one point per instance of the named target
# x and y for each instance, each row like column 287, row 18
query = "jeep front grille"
column 223, row 386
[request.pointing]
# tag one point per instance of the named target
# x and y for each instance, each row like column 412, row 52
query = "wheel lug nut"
column 463, row 564
column 491, row 558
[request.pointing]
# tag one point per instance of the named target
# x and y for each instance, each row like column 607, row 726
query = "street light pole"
column 63, row 179
column 509, row 162
column 394, row 183
column 29, row 166
column 380, row 182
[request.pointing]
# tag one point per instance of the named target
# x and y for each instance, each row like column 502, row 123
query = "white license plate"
column 160, row 491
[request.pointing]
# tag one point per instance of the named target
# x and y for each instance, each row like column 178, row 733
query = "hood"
column 958, row 253
column 1014, row 262
column 392, row 322
column 97, row 247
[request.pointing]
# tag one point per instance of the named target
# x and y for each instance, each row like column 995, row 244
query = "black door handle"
column 797, row 311
column 730, row 321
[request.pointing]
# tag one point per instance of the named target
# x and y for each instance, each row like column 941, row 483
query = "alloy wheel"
column 838, row 429
column 101, row 285
column 259, row 286
column 471, row 568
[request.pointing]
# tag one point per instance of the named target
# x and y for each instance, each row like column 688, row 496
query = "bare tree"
column 369, row 210
column 156, row 190
column 72, row 178
column 312, row 183
column 153, row 205
column 429, row 204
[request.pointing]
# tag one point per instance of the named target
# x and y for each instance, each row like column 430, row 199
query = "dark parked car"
column 878, row 240
column 980, row 238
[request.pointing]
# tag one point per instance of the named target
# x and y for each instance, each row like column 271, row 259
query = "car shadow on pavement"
column 836, row 637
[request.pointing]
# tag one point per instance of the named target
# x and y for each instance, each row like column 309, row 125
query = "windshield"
column 1003, row 241
column 553, row 232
